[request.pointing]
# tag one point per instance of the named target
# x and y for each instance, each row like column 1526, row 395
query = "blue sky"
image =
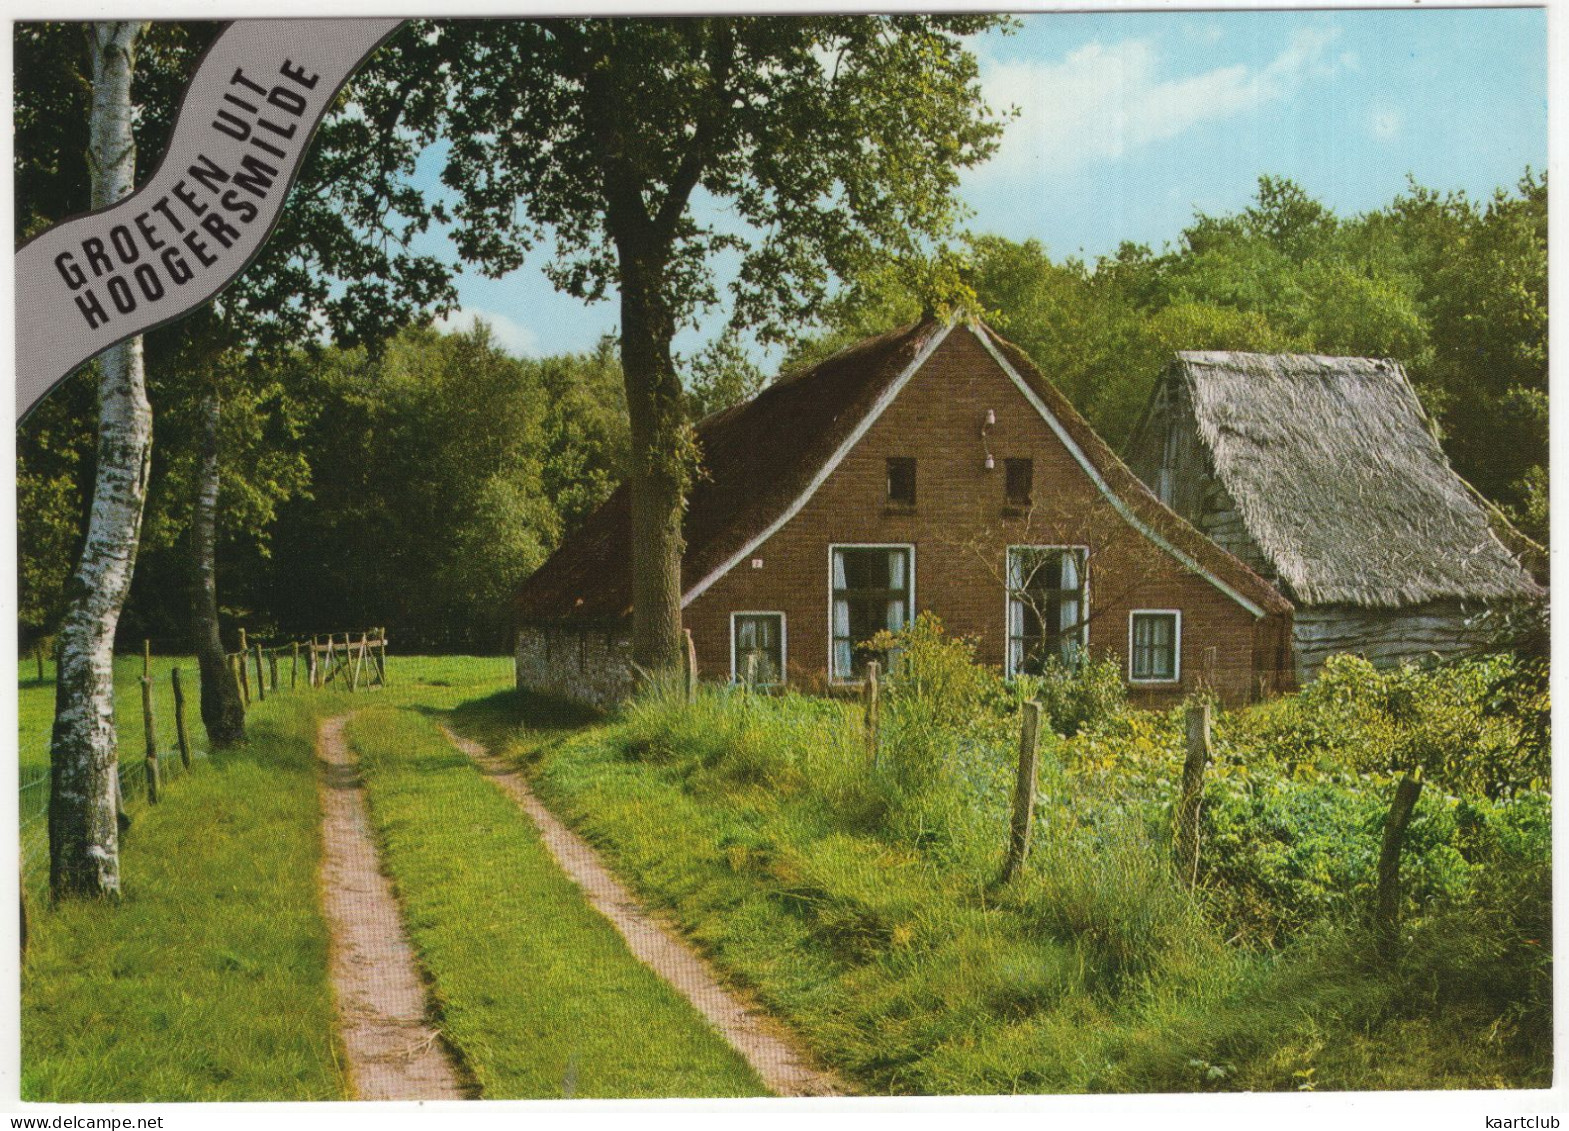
column 1131, row 122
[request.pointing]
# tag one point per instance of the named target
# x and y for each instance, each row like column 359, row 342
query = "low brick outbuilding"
column 930, row 468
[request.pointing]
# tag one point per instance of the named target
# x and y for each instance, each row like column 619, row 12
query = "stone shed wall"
column 588, row 665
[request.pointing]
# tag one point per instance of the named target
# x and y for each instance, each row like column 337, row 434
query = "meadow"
column 859, row 902
column 862, row 903
column 208, row 979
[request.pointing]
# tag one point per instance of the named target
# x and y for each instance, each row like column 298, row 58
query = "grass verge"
column 208, row 981
column 535, row 990
column 862, row 909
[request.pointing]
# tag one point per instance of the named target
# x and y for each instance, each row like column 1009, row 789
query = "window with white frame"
column 1047, row 607
column 1154, row 646
column 871, row 593
column 757, row 648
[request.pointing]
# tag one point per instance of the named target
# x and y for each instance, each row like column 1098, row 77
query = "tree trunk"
column 84, row 843
column 658, row 474
column 223, row 715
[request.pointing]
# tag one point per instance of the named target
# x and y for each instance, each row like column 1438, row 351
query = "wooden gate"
column 354, row 663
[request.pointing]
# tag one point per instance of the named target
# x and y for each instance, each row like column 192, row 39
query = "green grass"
column 535, row 990
column 861, row 907
column 35, row 708
column 208, row 980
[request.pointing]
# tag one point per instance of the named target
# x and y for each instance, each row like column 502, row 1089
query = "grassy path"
column 535, row 990
column 751, row 1033
column 392, row 1053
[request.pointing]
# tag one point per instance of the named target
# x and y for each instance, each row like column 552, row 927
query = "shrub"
column 1075, row 698
column 1475, row 725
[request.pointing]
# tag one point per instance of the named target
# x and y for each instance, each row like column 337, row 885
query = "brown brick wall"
column 960, row 530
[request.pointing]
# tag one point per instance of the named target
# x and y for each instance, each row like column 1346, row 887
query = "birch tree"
column 84, row 850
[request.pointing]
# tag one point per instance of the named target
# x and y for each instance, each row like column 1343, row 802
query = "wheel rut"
column 753, row 1034
column 393, row 1052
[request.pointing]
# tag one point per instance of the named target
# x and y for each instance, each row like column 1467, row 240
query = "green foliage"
column 584, row 428
column 721, row 375
column 429, row 505
column 1471, row 726
column 861, row 899
column 1072, row 699
column 821, row 164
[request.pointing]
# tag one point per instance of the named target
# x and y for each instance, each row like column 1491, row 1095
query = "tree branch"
column 693, row 161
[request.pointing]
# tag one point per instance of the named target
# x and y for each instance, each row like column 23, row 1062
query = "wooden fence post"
column 871, row 711
column 1192, row 793
column 179, row 720
column 294, row 664
column 237, row 673
column 245, row 679
column 750, row 677
column 147, row 722
column 272, row 670
column 381, row 662
column 261, row 681
column 1024, row 791
column 689, row 668
column 312, row 668
column 1387, row 912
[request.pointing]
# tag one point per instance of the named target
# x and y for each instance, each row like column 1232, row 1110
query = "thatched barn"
column 1323, row 474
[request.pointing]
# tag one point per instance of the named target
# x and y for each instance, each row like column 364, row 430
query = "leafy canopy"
column 823, row 137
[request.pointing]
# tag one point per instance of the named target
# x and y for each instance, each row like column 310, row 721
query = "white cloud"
column 1384, row 123
column 511, row 335
column 1102, row 101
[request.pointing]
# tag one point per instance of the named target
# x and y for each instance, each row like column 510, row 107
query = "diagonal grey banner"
column 244, row 127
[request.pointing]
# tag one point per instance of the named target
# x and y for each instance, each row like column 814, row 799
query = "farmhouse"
column 931, row 468
column 1324, row 476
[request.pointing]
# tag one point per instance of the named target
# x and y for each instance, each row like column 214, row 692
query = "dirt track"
column 393, row 1053
column 750, row 1032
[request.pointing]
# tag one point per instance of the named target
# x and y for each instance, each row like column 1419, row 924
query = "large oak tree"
column 830, row 140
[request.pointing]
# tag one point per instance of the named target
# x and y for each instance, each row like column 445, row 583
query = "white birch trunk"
column 84, row 850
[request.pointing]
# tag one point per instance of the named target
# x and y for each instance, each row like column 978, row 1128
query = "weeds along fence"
column 169, row 747
column 1186, row 824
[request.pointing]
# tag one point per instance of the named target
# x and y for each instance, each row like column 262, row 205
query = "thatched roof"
column 1341, row 483
column 760, row 456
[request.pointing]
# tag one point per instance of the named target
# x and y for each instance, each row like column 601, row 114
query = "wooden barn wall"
column 1170, row 443
column 1386, row 637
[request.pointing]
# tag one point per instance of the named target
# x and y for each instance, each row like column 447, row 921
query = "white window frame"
column 784, row 641
column 833, row 676
column 1176, row 644
column 1007, row 601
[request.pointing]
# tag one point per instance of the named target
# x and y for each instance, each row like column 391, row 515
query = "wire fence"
column 33, row 806
column 350, row 660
